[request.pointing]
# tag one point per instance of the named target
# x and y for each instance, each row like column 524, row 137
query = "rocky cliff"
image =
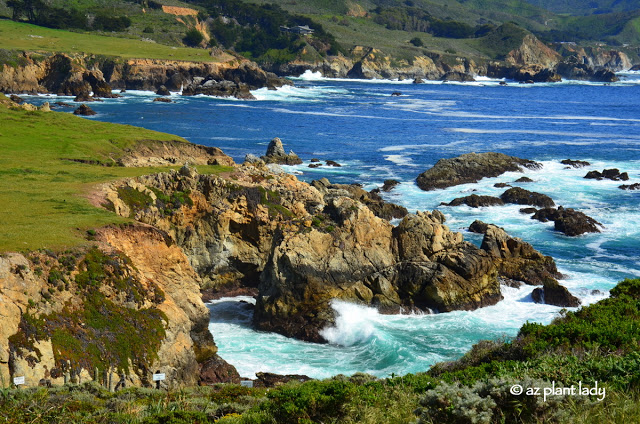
column 115, row 313
column 81, row 75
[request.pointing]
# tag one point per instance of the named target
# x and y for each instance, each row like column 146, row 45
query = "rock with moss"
column 470, row 168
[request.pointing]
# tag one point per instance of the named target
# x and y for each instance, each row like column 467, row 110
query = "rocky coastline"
column 251, row 229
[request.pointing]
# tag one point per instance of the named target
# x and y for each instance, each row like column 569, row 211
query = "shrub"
column 416, row 41
column 193, row 38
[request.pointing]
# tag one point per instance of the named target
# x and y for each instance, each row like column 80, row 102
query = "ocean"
column 376, row 136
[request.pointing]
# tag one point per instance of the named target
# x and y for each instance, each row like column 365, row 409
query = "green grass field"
column 22, row 36
column 42, row 195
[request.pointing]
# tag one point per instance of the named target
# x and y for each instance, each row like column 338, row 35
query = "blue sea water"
column 376, row 136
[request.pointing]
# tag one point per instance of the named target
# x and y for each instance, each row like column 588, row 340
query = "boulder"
column 568, row 221
column 475, row 201
column 478, row 226
column 527, row 211
column 163, row 91
column 332, row 163
column 575, row 163
column 16, row 99
column 163, row 100
column 524, row 180
column 501, row 185
column 469, row 168
column 553, row 293
column 45, row 107
column 276, row 154
column 613, row 174
column 217, row 370
column 520, row 196
column 84, row 110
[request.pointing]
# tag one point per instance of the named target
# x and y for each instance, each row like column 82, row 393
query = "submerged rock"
column 520, row 196
column 163, row 100
column 568, row 221
column 469, row 168
column 524, row 180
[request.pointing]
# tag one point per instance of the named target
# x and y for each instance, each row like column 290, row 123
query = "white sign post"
column 246, row 383
column 158, row 377
column 17, row 381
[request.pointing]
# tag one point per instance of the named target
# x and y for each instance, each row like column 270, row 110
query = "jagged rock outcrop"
column 469, row 168
column 516, row 259
column 475, row 201
column 613, row 174
column 568, row 221
column 431, row 267
column 276, row 154
column 520, row 196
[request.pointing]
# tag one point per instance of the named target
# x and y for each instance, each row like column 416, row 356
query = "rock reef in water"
column 475, row 201
column 568, row 221
column 520, row 196
column 613, row 174
column 470, row 168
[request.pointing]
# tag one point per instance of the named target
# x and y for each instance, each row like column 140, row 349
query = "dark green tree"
column 193, row 38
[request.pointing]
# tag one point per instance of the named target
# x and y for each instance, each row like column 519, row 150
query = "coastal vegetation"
column 598, row 343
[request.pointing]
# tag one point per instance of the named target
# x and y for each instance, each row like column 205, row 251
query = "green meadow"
column 43, row 193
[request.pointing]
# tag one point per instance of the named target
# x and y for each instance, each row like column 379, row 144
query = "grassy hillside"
column 23, row 36
column 42, row 193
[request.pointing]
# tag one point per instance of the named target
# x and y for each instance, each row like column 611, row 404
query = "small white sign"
column 158, row 377
column 18, row 380
column 246, row 383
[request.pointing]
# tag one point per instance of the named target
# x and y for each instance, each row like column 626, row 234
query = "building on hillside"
column 300, row 29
